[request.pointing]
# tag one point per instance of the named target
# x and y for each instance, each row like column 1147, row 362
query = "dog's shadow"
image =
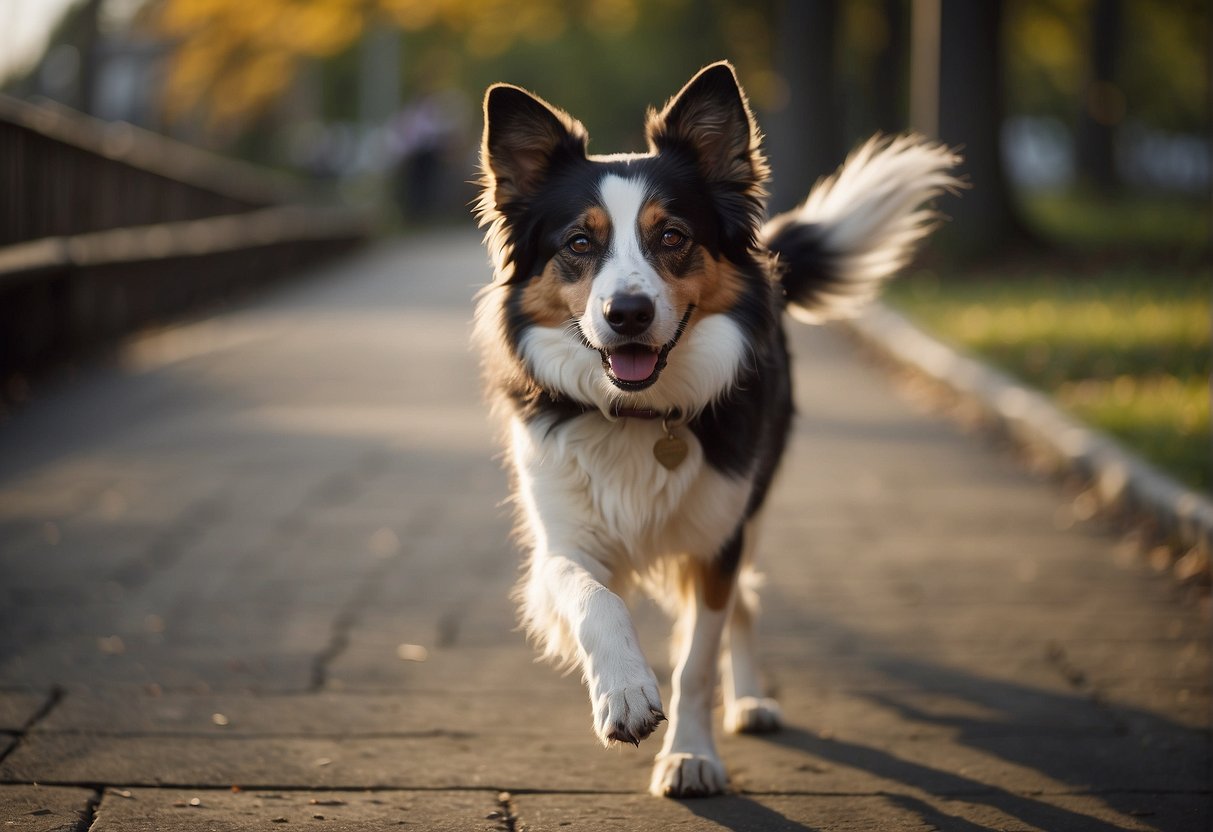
column 926, row 779
column 741, row 813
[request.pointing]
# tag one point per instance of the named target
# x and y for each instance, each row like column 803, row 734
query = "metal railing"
column 105, row 227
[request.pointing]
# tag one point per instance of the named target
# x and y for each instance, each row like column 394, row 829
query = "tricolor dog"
column 633, row 346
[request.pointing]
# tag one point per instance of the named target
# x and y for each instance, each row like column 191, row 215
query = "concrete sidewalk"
column 256, row 573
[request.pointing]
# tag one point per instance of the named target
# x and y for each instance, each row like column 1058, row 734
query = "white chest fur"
column 594, row 484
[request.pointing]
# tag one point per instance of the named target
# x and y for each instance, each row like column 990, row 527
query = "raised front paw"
column 753, row 715
column 626, row 711
column 678, row 774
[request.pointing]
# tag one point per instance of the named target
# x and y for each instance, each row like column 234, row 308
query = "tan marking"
column 550, row 300
column 713, row 287
column 651, row 216
column 598, row 223
column 722, row 285
column 715, row 585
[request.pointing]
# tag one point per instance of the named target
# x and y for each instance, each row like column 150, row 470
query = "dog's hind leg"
column 747, row 710
column 688, row 765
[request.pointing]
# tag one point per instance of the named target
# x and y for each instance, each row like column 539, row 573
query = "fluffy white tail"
column 860, row 226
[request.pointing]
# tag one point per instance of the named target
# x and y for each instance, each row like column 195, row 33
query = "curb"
column 1121, row 482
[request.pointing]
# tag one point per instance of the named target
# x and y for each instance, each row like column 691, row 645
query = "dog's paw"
column 687, row 775
column 753, row 715
column 627, row 713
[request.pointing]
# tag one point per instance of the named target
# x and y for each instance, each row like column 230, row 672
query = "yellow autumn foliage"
column 233, row 57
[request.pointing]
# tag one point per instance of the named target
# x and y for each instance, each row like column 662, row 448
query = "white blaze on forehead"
column 623, row 199
column 626, row 271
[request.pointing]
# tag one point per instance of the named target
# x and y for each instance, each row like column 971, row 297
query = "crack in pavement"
column 363, row 596
column 1077, row 678
column 507, row 819
column 187, row 529
column 88, row 815
column 53, row 698
column 293, row 788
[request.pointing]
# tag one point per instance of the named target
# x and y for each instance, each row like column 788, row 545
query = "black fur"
column 804, row 266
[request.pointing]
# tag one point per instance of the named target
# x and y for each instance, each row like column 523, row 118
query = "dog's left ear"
column 711, row 118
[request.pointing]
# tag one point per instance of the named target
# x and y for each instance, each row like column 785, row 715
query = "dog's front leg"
column 571, row 592
column 688, row 765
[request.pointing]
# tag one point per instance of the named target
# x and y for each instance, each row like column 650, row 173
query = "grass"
column 1124, row 347
column 1086, row 219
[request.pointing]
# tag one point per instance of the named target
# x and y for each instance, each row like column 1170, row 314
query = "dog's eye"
column 579, row 244
column 672, row 238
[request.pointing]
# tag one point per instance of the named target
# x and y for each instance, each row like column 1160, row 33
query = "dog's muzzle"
column 635, row 366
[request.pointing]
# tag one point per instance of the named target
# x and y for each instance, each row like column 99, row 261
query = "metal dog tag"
column 670, row 451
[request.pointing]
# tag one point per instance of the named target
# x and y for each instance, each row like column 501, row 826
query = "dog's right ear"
column 525, row 139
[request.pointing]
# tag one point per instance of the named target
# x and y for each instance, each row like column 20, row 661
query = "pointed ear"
column 525, row 138
column 712, row 118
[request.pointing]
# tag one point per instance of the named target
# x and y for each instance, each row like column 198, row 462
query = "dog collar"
column 637, row 413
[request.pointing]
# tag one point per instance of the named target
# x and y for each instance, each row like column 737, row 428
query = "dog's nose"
column 628, row 314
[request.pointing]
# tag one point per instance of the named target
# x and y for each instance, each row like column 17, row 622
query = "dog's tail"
column 859, row 226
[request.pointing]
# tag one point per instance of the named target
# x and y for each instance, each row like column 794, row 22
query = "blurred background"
column 1079, row 259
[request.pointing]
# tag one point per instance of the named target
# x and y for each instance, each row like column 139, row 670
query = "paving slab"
column 800, row 760
column 19, row 707
column 153, row 810
column 43, row 808
column 118, row 712
column 437, row 760
column 564, row 758
column 909, row 810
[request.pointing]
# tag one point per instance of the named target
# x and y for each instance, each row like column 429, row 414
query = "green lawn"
column 1124, row 347
column 1142, row 221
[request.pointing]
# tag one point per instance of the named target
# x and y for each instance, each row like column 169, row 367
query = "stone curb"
column 1120, row 480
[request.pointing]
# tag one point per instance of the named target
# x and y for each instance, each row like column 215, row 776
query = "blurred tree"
column 891, row 65
column 1163, row 64
column 1158, row 60
column 970, row 115
column 233, row 58
column 806, row 140
column 1102, row 104
column 1045, row 56
column 873, row 67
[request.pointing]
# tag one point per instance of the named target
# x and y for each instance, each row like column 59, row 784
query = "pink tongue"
column 633, row 364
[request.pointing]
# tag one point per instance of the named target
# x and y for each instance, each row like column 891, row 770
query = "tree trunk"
column 805, row 137
column 889, row 72
column 1102, row 104
column 970, row 114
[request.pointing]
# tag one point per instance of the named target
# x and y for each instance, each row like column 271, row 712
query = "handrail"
column 191, row 238
column 105, row 228
column 62, row 173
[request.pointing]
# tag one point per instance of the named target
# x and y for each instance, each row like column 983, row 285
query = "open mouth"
column 633, row 366
column 636, row 366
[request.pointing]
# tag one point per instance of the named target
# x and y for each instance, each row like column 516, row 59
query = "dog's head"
column 611, row 263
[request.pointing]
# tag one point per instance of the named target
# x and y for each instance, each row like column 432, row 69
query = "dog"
column 632, row 347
